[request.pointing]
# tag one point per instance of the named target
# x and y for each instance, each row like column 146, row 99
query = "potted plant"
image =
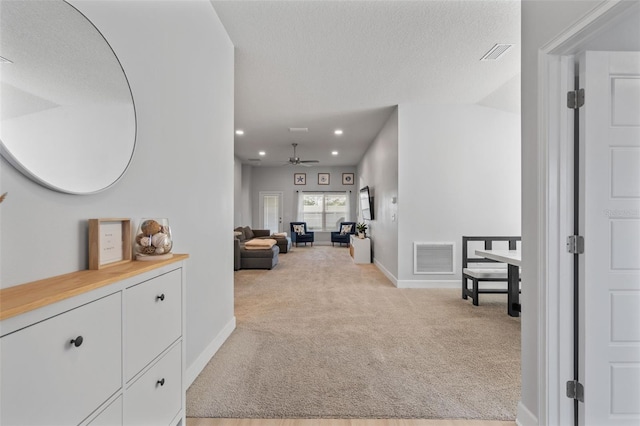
column 362, row 229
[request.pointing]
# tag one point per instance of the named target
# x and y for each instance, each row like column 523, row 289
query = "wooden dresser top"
column 29, row 296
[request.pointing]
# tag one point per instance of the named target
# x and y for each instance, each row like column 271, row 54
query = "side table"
column 360, row 249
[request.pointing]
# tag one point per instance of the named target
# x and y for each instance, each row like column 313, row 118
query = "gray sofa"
column 257, row 259
column 284, row 243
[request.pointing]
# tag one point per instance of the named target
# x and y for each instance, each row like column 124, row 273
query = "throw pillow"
column 298, row 229
column 248, row 233
column 345, row 229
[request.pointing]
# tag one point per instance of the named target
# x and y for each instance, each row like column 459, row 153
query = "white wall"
column 459, row 174
column 542, row 21
column 247, row 205
column 378, row 169
column 237, row 193
column 179, row 62
column 281, row 179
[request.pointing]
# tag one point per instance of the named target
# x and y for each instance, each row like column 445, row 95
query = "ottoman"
column 259, row 259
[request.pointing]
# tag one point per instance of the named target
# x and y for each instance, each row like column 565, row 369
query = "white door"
column 271, row 211
column 609, row 331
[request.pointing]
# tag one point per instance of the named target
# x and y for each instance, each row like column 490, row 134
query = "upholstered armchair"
column 342, row 235
column 300, row 234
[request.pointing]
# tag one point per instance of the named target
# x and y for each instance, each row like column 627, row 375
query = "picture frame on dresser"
column 109, row 242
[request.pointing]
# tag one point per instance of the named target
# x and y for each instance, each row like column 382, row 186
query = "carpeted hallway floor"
column 322, row 337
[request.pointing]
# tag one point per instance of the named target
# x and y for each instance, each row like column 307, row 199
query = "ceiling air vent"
column 433, row 258
column 298, row 129
column 5, row 61
column 496, row 52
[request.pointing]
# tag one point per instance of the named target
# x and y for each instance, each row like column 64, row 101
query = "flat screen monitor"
column 365, row 204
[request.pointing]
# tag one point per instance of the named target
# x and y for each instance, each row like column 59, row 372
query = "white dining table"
column 513, row 259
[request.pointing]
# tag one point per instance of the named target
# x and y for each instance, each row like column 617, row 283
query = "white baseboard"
column 429, row 284
column 416, row 283
column 386, row 272
column 525, row 417
column 198, row 365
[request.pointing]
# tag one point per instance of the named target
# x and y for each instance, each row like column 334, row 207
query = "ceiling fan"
column 296, row 161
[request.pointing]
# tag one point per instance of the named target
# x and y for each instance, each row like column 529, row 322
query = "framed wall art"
column 323, row 178
column 300, row 178
column 109, row 242
column 348, row 178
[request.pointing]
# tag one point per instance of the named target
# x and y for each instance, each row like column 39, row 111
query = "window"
column 323, row 211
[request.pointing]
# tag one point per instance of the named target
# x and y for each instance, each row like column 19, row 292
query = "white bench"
column 480, row 269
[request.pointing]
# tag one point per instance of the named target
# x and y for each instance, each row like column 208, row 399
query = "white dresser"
column 360, row 249
column 101, row 347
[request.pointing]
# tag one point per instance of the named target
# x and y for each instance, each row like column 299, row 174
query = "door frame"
column 261, row 195
column 555, row 125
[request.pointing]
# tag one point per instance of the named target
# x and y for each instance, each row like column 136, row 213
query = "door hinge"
column 575, row 244
column 575, row 390
column 575, row 99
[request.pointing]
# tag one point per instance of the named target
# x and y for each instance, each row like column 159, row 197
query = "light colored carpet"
column 322, row 337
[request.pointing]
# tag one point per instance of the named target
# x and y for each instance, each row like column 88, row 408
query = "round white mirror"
column 67, row 118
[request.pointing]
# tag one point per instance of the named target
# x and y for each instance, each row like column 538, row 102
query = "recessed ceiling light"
column 299, row 129
column 262, row 153
column 239, row 132
column 334, row 152
column 338, row 132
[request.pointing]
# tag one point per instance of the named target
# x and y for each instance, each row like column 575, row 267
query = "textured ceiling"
column 345, row 64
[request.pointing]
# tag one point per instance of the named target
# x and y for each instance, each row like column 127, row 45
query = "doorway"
column 271, row 211
column 561, row 61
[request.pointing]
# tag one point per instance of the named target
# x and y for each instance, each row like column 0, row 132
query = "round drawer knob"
column 160, row 382
column 161, row 297
column 77, row 341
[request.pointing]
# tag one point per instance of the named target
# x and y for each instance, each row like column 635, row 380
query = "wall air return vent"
column 433, row 258
column 496, row 52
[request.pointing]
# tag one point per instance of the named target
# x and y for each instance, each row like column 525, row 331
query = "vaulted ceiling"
column 327, row 65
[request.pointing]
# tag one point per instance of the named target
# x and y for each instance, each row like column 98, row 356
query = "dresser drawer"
column 110, row 416
column 153, row 316
column 48, row 380
column 156, row 397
